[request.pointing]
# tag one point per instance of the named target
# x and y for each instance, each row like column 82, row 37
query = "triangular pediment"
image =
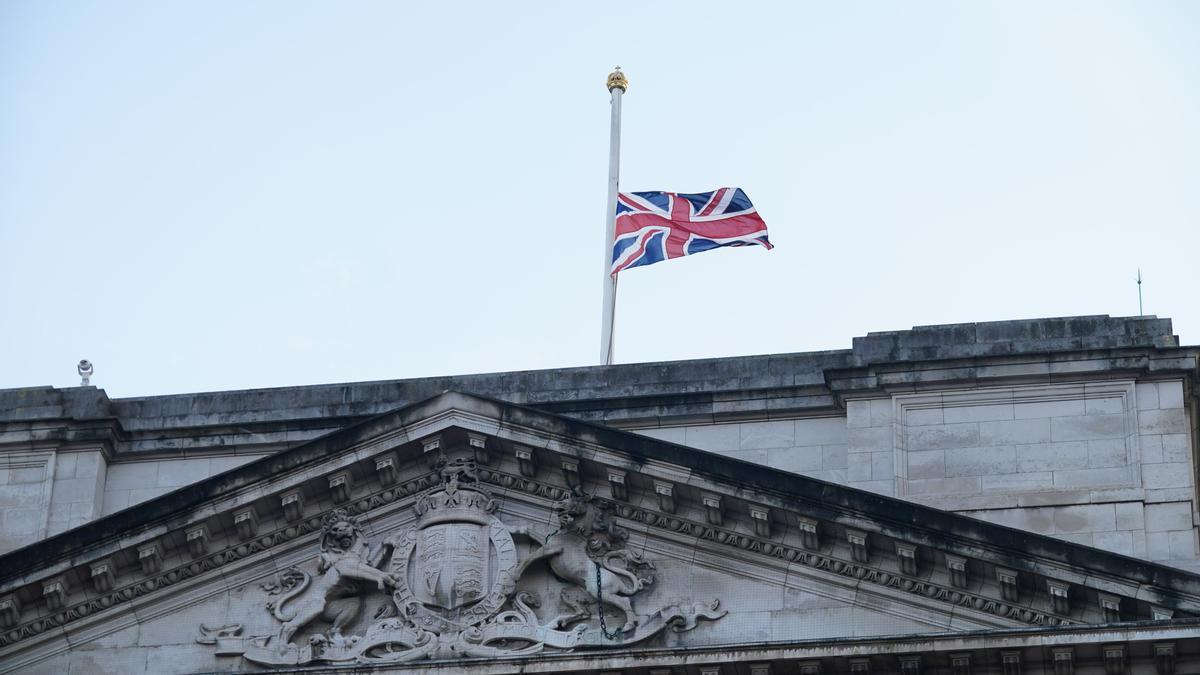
column 706, row 551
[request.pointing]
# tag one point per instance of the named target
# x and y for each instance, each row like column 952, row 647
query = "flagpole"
column 616, row 87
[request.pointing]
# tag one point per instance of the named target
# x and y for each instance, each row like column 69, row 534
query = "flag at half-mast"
column 656, row 226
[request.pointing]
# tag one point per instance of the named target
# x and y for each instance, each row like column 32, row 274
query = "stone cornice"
column 741, row 548
column 105, row 434
column 906, row 376
column 195, row 563
column 1035, row 647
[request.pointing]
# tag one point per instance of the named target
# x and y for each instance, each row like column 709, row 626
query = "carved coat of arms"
column 457, row 565
column 450, row 576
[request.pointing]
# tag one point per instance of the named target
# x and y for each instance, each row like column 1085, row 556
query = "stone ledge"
column 766, row 385
column 883, row 651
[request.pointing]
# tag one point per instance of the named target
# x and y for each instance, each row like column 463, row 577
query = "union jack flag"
column 656, row 226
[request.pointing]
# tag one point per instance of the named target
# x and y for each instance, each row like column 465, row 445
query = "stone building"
column 1011, row 497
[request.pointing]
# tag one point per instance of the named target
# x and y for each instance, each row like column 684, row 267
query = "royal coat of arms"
column 457, row 565
column 452, row 575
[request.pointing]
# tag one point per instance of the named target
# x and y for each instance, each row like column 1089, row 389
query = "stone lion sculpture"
column 334, row 593
column 587, row 552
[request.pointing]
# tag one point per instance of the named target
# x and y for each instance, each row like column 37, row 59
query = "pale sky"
column 226, row 195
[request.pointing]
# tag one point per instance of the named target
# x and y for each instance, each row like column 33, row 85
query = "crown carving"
column 458, row 499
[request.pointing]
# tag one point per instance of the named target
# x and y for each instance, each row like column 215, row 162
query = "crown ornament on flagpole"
column 616, row 80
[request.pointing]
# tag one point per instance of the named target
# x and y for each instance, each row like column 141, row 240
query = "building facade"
column 1006, row 497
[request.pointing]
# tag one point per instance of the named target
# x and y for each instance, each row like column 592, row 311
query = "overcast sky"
column 226, row 195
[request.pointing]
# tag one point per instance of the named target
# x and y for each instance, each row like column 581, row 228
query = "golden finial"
column 616, row 80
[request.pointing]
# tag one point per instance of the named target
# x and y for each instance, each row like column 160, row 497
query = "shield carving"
column 452, row 564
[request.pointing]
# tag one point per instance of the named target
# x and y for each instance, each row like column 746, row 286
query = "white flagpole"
column 616, row 87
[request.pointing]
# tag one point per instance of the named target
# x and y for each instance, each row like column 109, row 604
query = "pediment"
column 483, row 527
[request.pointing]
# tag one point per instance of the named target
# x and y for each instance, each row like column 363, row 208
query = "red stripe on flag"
column 712, row 203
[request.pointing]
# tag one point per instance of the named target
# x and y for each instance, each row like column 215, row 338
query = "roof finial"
column 616, row 80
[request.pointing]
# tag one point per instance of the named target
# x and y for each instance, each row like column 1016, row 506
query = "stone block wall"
column 130, row 483
column 1108, row 464
column 25, row 480
column 76, row 494
column 43, row 493
column 815, row 446
column 1007, row 441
